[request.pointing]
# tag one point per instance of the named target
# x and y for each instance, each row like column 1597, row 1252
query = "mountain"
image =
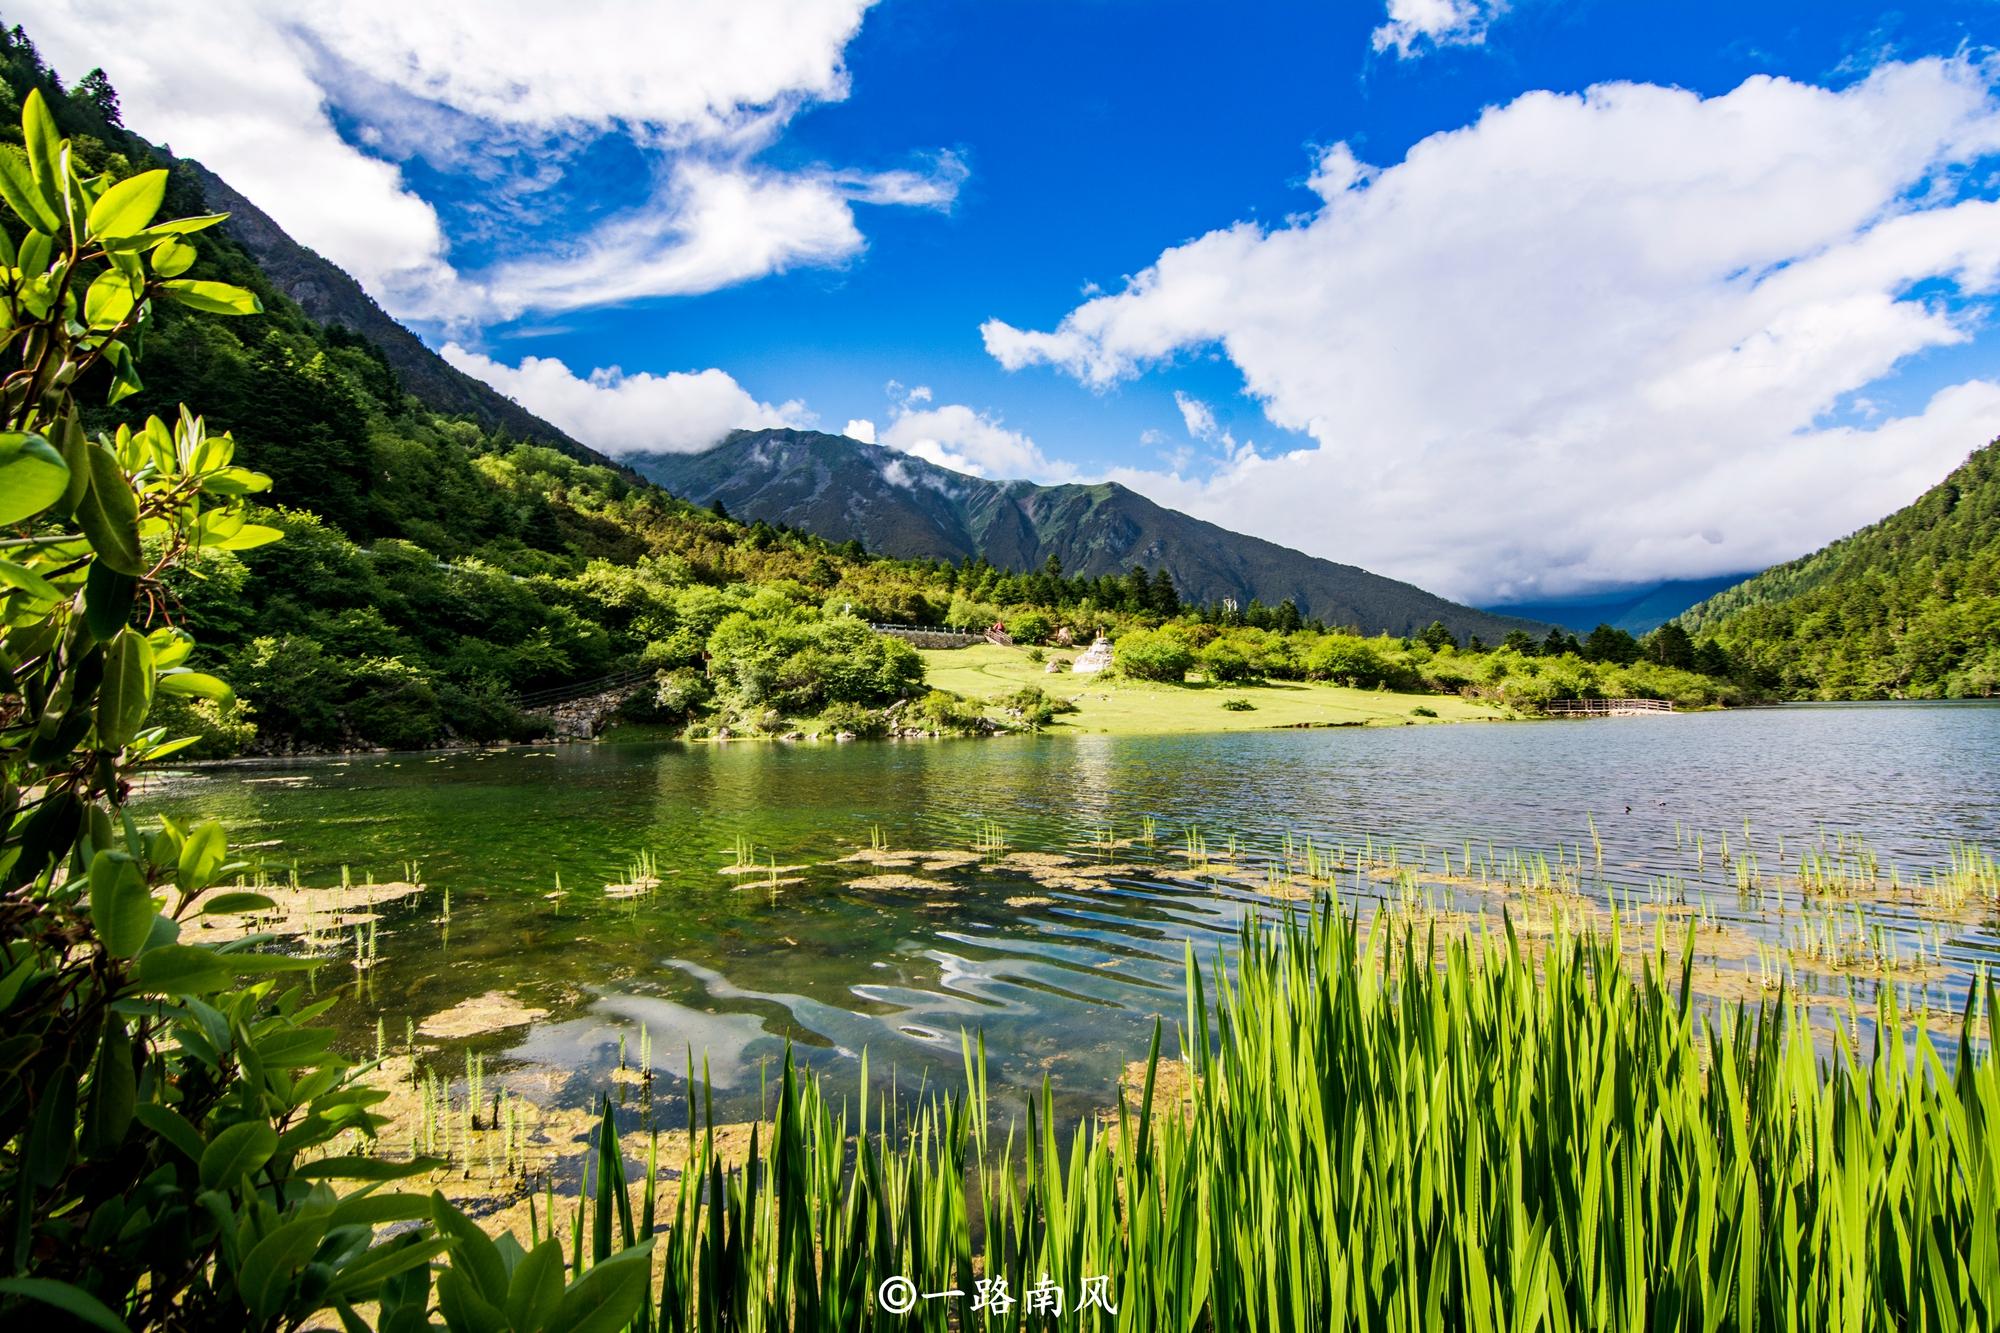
column 1906, row 608
column 843, row 489
column 1637, row 611
column 331, row 298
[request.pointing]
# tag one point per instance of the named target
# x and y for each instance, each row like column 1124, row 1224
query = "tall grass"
column 1378, row 1134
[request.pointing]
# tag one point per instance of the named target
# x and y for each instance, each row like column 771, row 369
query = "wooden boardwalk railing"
column 1605, row 707
column 929, row 636
column 537, row 700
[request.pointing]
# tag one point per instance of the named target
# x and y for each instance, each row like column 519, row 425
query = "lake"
column 1061, row 931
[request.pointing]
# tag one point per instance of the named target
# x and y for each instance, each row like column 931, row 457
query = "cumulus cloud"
column 500, row 93
column 860, row 428
column 616, row 413
column 966, row 440
column 1589, row 339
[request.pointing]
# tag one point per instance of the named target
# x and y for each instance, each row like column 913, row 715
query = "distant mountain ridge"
column 330, row 296
column 843, row 489
column 1907, row 607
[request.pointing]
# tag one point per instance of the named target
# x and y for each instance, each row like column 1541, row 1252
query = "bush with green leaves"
column 170, row 1119
column 1149, row 654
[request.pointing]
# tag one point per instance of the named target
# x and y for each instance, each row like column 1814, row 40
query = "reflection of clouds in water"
column 726, row 1040
column 1091, row 784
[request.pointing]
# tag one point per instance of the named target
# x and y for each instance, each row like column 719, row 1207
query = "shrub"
column 1030, row 626
column 851, row 717
column 1153, row 655
column 1347, row 659
column 1223, row 663
column 1238, row 704
column 1034, row 707
column 220, row 728
column 1423, row 710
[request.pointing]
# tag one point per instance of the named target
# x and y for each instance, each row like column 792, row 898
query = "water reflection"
column 1064, row 979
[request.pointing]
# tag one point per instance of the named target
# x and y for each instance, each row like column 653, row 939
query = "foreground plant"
column 1382, row 1135
column 166, row 1110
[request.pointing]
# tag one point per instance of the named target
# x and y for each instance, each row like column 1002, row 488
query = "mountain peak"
column 844, row 489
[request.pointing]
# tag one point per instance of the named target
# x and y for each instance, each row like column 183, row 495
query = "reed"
column 1378, row 1133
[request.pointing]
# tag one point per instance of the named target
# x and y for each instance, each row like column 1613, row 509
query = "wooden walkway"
column 1605, row 707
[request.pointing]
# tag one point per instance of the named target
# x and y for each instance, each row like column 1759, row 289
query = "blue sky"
column 1514, row 301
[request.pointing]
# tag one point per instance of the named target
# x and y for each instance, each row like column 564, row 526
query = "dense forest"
column 1907, row 608
column 433, row 569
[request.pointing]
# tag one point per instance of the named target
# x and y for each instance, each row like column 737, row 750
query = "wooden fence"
column 929, row 636
column 1605, row 707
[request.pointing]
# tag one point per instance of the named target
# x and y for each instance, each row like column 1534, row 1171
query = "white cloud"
column 860, row 428
column 617, row 413
column 1589, row 339
column 963, row 439
column 1198, row 416
column 505, row 93
column 1413, row 25
column 711, row 227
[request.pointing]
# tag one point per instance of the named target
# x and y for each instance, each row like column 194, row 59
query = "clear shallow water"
column 1068, row 987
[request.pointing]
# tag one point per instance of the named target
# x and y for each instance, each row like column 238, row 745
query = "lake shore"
column 1120, row 707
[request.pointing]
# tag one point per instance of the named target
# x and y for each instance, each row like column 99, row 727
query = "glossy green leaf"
column 126, row 694
column 223, row 904
column 216, row 298
column 367, row 1168
column 109, row 514
column 23, row 195
column 173, row 257
column 373, row 1210
column 28, row 581
column 33, row 476
column 249, row 536
column 608, row 1297
column 236, row 1152
column 107, row 601
column 52, row 1139
column 172, row 1126
column 128, row 206
column 121, row 906
column 44, row 143
column 275, row 1262
column 473, row 1255
column 207, row 847
column 196, row 684
column 113, row 1090
column 75, row 1302
column 109, row 300
column 536, row 1288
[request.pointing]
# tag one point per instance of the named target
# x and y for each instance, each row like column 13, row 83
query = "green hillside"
column 1906, row 608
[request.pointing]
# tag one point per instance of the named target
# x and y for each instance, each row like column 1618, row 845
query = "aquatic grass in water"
column 1379, row 1134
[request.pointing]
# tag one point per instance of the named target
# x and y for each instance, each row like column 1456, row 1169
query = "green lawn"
column 1136, row 708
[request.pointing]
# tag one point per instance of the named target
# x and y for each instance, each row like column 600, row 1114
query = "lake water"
column 1065, row 973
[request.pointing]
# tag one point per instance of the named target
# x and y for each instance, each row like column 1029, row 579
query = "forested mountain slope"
column 1906, row 608
column 843, row 489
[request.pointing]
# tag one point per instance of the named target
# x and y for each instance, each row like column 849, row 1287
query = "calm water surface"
column 1067, row 987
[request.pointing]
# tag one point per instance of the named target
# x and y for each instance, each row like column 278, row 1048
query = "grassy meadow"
column 1123, row 707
